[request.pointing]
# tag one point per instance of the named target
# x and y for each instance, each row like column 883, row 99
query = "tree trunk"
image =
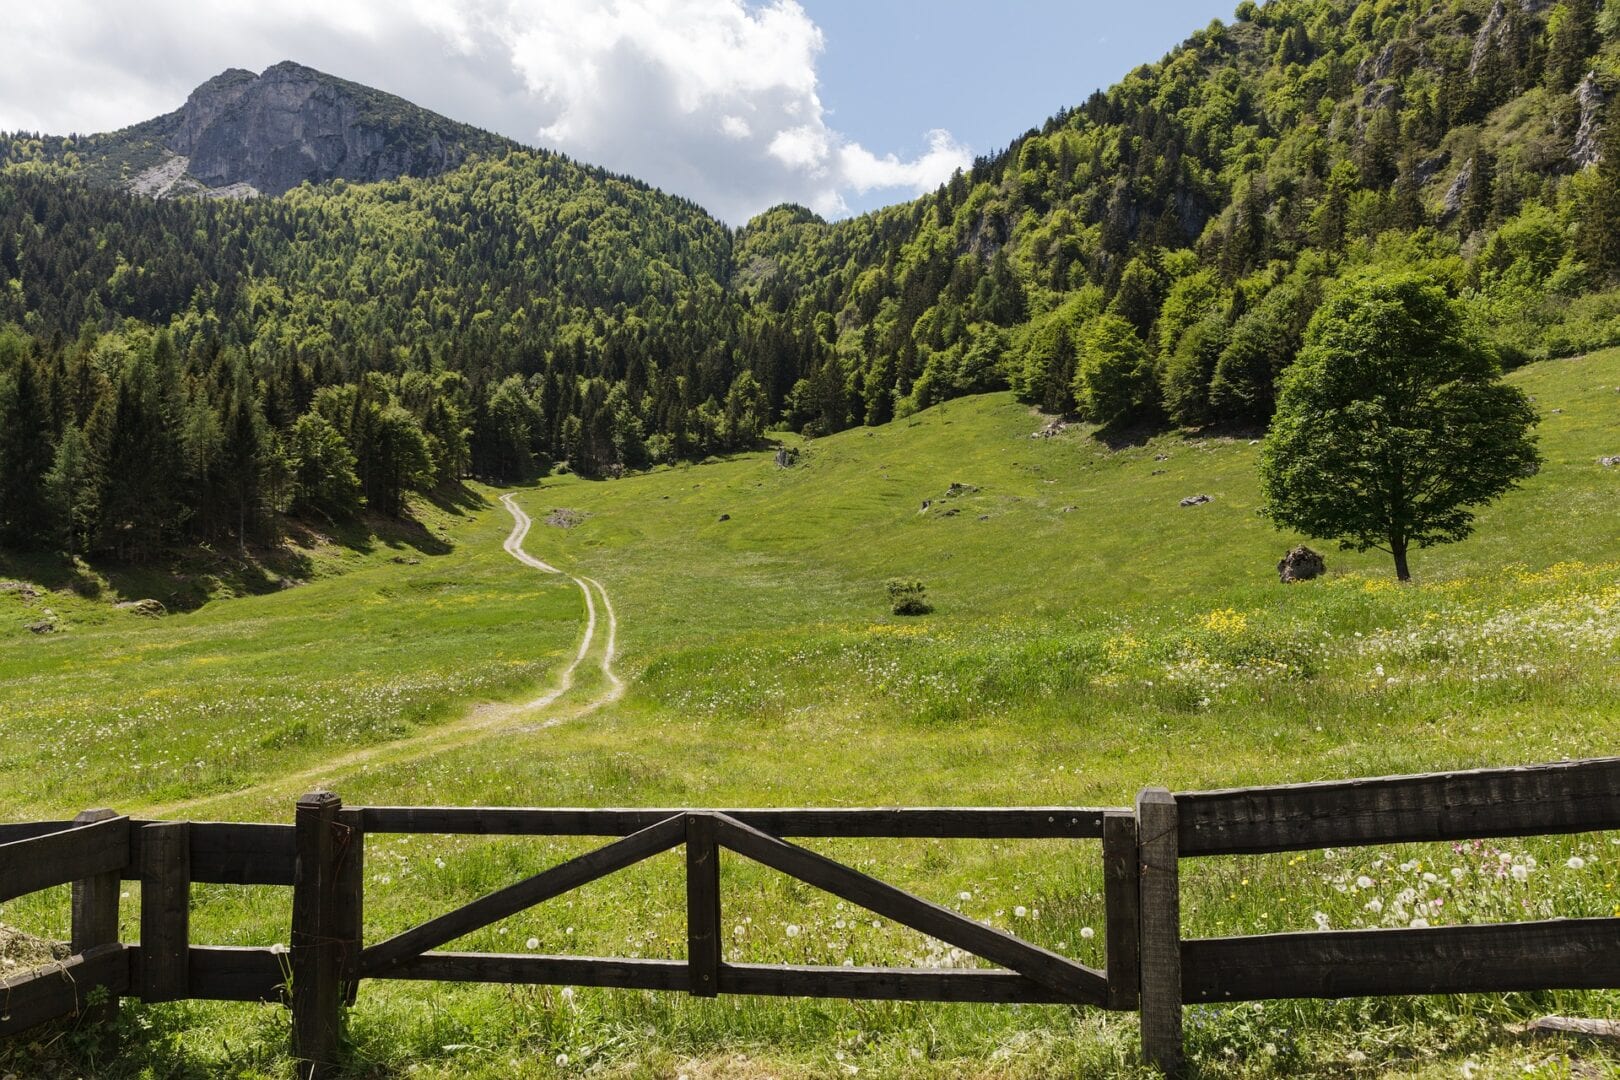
column 1401, row 572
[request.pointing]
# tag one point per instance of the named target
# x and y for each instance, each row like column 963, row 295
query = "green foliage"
column 1112, row 379
column 907, row 596
column 1394, row 425
column 322, row 469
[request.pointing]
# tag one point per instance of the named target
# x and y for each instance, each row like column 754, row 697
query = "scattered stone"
column 952, row 512
column 984, row 517
column 21, row 588
column 1301, row 564
column 1254, row 442
column 46, row 625
column 1197, row 500
column 926, row 503
column 1609, row 462
column 1161, row 457
column 564, row 519
column 1068, row 509
column 725, row 517
column 403, row 560
column 959, row 489
column 150, row 608
column 1158, row 472
column 1051, row 430
column 786, row 457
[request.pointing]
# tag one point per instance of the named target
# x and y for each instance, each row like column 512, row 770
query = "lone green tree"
column 1393, row 424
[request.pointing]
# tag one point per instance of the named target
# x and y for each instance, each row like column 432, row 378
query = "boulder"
column 1197, row 500
column 149, row 607
column 1051, row 430
column 1301, row 564
column 725, row 517
column 1609, row 462
column 786, row 457
column 21, row 588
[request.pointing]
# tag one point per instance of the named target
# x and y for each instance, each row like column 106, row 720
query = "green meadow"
column 1090, row 636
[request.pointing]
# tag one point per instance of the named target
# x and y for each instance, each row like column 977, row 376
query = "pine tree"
column 73, row 490
column 1599, row 206
column 25, row 457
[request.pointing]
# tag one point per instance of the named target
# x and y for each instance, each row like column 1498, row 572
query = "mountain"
column 241, row 134
column 1173, row 234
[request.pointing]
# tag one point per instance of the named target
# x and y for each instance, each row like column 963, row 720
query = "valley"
column 1067, row 662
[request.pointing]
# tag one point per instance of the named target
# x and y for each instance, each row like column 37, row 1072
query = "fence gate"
column 1149, row 965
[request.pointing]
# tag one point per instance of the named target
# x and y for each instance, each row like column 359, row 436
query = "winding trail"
column 481, row 720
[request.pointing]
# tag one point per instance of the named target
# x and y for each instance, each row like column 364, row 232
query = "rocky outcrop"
column 1301, row 564
column 1589, row 97
column 293, row 124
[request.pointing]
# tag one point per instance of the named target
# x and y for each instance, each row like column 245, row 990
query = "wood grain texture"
column 1534, row 800
column 316, row 993
column 1559, row 954
column 702, row 905
column 62, row 989
column 96, row 845
column 1056, row 822
column 1076, row 982
column 527, row 968
column 162, row 965
column 1122, row 903
column 887, row 984
column 1160, row 930
column 238, row 973
column 514, row 898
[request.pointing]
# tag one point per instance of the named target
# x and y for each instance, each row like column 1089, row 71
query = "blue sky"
column 738, row 104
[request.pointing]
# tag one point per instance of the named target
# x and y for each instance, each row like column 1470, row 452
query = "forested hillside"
column 190, row 370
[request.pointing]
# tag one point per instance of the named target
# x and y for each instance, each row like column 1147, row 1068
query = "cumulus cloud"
column 712, row 99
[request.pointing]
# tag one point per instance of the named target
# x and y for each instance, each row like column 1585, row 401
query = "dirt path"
column 481, row 720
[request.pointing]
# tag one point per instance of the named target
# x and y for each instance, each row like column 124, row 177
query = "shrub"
column 908, row 597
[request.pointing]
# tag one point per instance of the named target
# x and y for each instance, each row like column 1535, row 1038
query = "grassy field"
column 1090, row 636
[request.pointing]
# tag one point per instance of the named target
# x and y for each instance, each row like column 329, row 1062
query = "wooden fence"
column 1149, row 966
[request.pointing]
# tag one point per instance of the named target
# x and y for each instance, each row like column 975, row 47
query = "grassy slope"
column 1074, row 657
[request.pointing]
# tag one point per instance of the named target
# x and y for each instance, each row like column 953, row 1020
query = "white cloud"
column 712, row 99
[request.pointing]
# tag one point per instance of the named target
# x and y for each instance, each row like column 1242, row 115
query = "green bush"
column 908, row 597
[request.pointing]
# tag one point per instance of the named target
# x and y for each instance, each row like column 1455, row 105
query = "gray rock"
column 1589, row 97
column 563, row 518
column 1459, row 187
column 1301, row 564
column 1609, row 462
column 21, row 588
column 1197, row 500
column 44, row 626
column 149, row 608
column 786, row 457
column 725, row 517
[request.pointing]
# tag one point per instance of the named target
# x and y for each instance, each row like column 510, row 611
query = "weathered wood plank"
column 1122, row 904
column 1564, row 797
column 162, row 966
column 1560, row 954
column 1607, row 1031
column 99, row 845
column 1159, row 929
column 1077, row 982
column 887, row 984
column 527, row 968
column 562, row 878
column 27, row 830
column 350, row 899
column 316, row 994
column 232, row 853
column 62, row 989
column 237, row 973
column 1053, row 822
column 702, row 905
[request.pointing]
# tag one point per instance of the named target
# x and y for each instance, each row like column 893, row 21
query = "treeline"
column 1152, row 256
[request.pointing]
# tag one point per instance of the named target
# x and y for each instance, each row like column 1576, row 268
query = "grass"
column 1090, row 636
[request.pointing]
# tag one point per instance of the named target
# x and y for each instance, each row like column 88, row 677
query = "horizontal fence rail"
column 1149, row 966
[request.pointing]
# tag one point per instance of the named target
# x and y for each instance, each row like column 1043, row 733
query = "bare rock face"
column 1590, row 97
column 1301, row 564
column 1453, row 200
column 241, row 134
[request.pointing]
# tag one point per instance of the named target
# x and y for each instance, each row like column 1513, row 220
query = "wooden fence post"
column 1122, row 880
column 1159, row 855
column 95, row 911
column 165, row 870
column 316, row 949
column 351, row 885
column 702, row 906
